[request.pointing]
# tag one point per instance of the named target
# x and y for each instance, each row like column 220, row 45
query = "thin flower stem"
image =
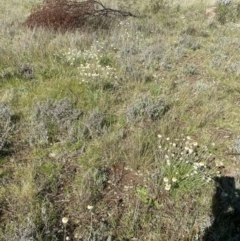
column 90, row 226
column 64, row 233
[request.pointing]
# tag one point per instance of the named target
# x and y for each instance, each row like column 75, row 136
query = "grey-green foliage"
column 191, row 69
column 153, row 53
column 54, row 120
column 136, row 61
column 95, row 124
column 24, row 231
column 6, row 124
column 100, row 177
column 187, row 40
column 145, row 107
column 226, row 2
column 26, row 71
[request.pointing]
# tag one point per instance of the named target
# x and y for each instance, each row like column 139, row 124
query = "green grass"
column 136, row 120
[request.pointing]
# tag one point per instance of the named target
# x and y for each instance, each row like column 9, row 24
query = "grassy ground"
column 130, row 132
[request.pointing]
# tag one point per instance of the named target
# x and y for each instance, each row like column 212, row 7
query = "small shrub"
column 96, row 124
column 167, row 63
column 233, row 68
column 179, row 53
column 191, row 69
column 145, row 107
column 188, row 41
column 53, row 121
column 153, row 53
column 201, row 86
column 219, row 61
column 26, row 71
column 99, row 180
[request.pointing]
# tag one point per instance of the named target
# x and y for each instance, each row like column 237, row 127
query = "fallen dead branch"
column 67, row 15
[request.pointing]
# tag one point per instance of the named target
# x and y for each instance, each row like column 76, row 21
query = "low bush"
column 145, row 107
column 96, row 124
column 26, row 71
column 53, row 121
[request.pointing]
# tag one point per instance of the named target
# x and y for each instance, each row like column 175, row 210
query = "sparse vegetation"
column 119, row 120
column 6, row 125
column 228, row 12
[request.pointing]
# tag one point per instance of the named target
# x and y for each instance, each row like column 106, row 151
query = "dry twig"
column 67, row 15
